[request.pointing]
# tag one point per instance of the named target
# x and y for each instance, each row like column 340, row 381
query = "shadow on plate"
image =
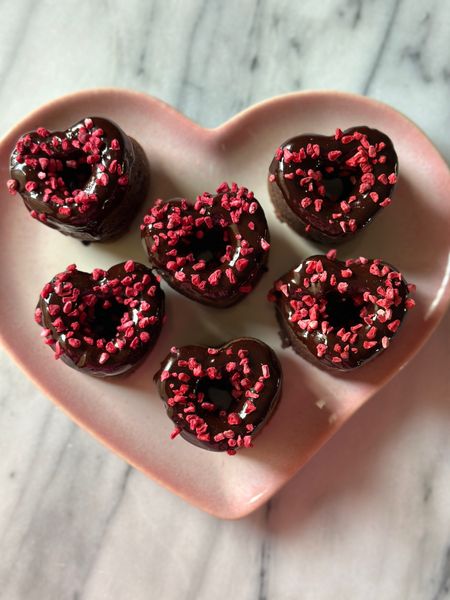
column 344, row 467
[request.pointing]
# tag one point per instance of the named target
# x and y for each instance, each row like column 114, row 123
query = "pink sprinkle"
column 233, row 419
column 74, row 342
column 264, row 244
column 345, row 207
column 392, row 178
column 97, row 274
column 331, row 254
column 409, row 303
column 180, row 275
column 30, row 186
column 271, row 177
column 266, row 371
column 352, row 225
column 67, row 308
column 64, row 210
column 111, row 348
column 321, row 350
column 334, row 154
column 249, row 407
column 310, row 267
column 129, row 266
column 215, row 276
column 346, row 273
column 115, row 144
column 42, row 132
column 305, row 202
column 53, row 309
column 165, row 375
column 369, row 345
column 342, row 287
column 247, row 441
column 371, row 333
column 104, row 356
column 241, row 264
column 13, row 186
column 103, row 179
column 176, row 431
column 229, row 273
column 394, row 325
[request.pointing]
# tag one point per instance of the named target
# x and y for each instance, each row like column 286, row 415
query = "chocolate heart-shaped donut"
column 87, row 181
column 340, row 314
column 104, row 322
column 214, row 251
column 328, row 188
column 219, row 398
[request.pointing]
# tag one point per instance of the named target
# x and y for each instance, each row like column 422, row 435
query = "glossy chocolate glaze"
column 291, row 288
column 116, row 205
column 130, row 288
column 221, row 282
column 287, row 191
column 193, row 366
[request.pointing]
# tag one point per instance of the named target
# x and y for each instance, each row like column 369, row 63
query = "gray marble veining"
column 369, row 517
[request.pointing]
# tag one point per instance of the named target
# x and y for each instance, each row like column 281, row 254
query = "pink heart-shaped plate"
column 125, row 413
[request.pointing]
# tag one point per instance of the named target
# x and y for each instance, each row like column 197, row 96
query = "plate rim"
column 214, row 135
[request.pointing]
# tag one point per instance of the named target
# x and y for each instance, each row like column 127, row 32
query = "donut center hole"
column 343, row 310
column 75, row 173
column 217, row 392
column 103, row 319
column 208, row 245
column 338, row 186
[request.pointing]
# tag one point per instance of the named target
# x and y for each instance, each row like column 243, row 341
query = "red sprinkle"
column 12, row 185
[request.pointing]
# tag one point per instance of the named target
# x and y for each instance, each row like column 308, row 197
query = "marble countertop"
column 369, row 516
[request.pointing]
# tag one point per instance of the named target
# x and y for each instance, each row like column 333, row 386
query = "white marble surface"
column 369, row 516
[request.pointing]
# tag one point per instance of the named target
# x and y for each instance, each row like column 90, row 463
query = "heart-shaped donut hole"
column 219, row 398
column 214, row 251
column 344, row 310
column 208, row 246
column 328, row 188
column 340, row 314
column 103, row 316
column 86, row 181
column 103, row 322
